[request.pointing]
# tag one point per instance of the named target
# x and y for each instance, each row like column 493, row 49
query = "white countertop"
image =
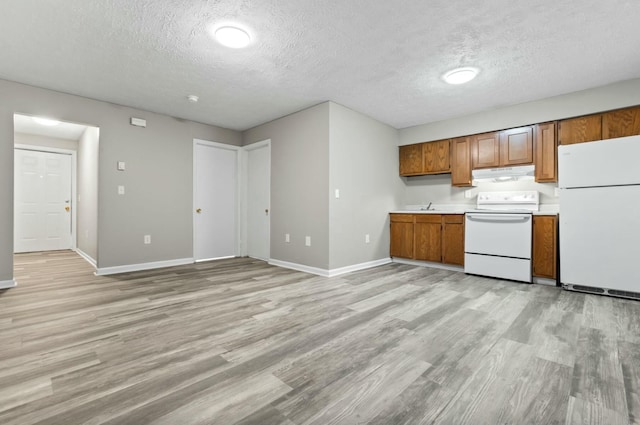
column 545, row 209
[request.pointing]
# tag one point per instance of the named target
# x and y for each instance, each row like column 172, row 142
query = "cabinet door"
column 485, row 150
column 428, row 237
column 460, row 162
column 453, row 239
column 436, row 157
column 621, row 123
column 545, row 246
column 516, row 146
column 546, row 152
column 411, row 160
column 580, row 130
column 401, row 235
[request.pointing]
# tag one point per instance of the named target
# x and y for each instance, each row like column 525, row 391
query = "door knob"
column 67, row 209
column 266, row 211
column 199, row 210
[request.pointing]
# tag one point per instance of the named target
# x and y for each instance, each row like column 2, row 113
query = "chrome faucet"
column 428, row 208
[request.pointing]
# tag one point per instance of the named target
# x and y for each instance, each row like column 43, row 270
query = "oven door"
column 498, row 234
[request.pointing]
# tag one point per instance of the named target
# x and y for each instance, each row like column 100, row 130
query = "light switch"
column 120, row 190
column 337, row 193
column 120, row 165
column 307, row 240
column 287, row 238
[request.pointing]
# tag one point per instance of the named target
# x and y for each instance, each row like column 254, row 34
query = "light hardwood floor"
column 241, row 342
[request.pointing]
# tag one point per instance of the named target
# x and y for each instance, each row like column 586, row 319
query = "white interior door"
column 258, row 200
column 215, row 200
column 42, row 201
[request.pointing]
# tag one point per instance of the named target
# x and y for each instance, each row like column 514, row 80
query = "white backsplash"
column 421, row 190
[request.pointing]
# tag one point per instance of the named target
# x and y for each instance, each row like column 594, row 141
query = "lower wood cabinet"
column 545, row 246
column 438, row 238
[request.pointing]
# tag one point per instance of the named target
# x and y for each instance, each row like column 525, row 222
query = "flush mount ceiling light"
column 460, row 75
column 193, row 98
column 46, row 121
column 233, row 37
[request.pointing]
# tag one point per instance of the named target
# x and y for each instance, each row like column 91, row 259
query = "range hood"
column 504, row 174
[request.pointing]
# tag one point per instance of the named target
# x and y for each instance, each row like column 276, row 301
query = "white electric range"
column 498, row 235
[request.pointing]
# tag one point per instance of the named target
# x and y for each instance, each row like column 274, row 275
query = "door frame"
column 245, row 194
column 73, row 183
column 238, row 150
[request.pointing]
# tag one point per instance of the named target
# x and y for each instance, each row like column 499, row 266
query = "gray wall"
column 438, row 189
column 87, row 196
column 158, row 180
column 48, row 142
column 299, row 184
column 613, row 96
column 363, row 157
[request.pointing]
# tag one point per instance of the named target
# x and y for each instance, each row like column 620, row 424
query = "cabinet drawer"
column 402, row 218
column 428, row 218
column 453, row 218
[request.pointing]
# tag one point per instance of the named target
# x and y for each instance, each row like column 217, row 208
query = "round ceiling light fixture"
column 460, row 75
column 233, row 37
column 46, row 121
column 193, row 98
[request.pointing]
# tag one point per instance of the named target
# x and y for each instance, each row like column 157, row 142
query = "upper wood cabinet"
column 546, row 153
column 545, row 250
column 502, row 148
column 485, row 150
column 516, row 146
column 621, row 123
column 580, row 130
column 461, row 162
column 411, row 160
column 437, row 158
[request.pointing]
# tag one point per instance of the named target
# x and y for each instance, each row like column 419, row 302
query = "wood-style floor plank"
column 239, row 342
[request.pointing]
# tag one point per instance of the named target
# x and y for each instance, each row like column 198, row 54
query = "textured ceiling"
column 382, row 58
column 64, row 130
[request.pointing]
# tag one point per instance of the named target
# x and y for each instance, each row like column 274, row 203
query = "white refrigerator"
column 600, row 216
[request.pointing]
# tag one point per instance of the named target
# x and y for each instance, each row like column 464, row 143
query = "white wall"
column 87, row 197
column 299, row 184
column 158, row 179
column 363, row 164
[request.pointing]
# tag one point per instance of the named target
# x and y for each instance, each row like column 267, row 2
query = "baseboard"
column 299, row 267
column 103, row 271
column 544, row 281
column 87, row 257
column 8, row 284
column 428, row 264
column 215, row 258
column 326, row 272
column 361, row 266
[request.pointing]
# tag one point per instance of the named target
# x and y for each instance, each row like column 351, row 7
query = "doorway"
column 215, row 197
column 55, row 186
column 258, row 199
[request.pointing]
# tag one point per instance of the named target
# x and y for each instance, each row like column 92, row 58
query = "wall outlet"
column 147, row 239
column 120, row 190
column 556, row 192
column 307, row 240
column 367, row 239
column 287, row 237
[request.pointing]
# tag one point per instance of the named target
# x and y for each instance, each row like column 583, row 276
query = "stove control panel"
column 514, row 200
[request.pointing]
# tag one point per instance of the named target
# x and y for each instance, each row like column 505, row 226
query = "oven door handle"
column 498, row 217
